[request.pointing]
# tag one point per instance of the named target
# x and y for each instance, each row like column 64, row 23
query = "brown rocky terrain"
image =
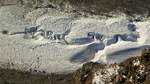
column 134, row 70
column 98, row 7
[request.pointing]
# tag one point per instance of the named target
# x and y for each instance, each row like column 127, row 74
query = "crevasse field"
column 114, row 42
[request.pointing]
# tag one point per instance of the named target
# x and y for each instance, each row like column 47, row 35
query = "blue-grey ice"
column 131, row 26
column 88, row 53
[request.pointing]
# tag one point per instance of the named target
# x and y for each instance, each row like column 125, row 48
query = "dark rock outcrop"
column 96, row 7
column 135, row 70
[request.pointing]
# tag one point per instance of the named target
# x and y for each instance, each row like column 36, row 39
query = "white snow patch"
column 103, row 76
column 136, row 62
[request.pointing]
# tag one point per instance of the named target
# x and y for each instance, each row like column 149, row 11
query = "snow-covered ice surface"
column 124, row 49
column 49, row 56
